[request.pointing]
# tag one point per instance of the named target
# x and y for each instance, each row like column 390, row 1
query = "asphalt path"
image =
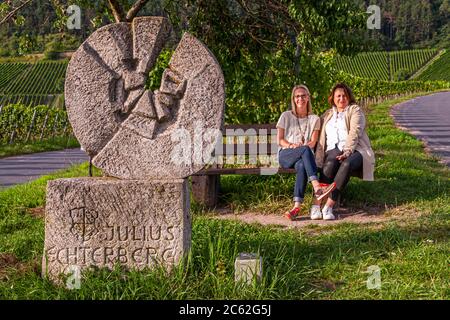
column 23, row 168
column 428, row 119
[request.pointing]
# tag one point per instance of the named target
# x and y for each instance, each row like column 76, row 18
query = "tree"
column 267, row 46
column 9, row 10
column 263, row 46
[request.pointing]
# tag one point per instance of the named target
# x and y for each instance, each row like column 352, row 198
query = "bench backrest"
column 249, row 140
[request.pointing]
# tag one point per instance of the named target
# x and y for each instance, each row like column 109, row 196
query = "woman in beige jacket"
column 343, row 147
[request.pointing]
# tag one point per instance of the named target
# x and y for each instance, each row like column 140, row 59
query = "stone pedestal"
column 102, row 222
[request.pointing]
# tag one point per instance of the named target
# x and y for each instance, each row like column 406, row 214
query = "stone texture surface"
column 102, row 81
column 247, row 267
column 102, row 222
column 135, row 134
column 149, row 34
column 88, row 102
column 196, row 117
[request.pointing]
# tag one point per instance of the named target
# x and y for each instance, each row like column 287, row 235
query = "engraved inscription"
column 87, row 228
column 85, row 256
column 138, row 233
column 83, row 223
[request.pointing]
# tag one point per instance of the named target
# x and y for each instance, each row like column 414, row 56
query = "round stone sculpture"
column 129, row 131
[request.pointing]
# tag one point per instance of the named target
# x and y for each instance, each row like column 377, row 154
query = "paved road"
column 20, row 169
column 428, row 118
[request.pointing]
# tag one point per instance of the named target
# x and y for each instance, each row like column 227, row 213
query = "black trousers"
column 339, row 172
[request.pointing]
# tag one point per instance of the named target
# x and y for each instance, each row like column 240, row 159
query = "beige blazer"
column 357, row 139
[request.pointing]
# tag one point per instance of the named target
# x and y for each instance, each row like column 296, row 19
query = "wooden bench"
column 254, row 143
column 247, row 145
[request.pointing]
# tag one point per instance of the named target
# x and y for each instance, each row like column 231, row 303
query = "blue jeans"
column 302, row 159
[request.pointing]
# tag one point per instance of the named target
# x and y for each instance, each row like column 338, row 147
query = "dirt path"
column 344, row 215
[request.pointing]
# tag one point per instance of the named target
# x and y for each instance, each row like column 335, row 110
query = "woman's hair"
column 348, row 92
column 301, row 86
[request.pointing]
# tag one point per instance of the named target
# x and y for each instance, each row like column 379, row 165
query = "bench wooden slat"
column 245, row 127
column 248, row 132
column 221, row 171
column 240, row 149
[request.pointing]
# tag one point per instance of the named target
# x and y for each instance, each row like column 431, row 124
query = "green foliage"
column 9, row 71
column 17, row 120
column 5, row 52
column 262, row 61
column 363, row 88
column 408, row 24
column 47, row 144
column 51, row 50
column 401, row 75
column 27, row 44
column 155, row 75
column 365, row 64
column 33, row 99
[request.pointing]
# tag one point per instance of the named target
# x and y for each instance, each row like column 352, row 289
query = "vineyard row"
column 385, row 65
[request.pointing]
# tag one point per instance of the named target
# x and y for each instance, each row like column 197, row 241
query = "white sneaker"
column 328, row 213
column 316, row 214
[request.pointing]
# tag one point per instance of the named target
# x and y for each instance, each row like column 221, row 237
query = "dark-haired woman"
column 343, row 147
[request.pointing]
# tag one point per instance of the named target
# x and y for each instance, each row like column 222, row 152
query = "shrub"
column 401, row 75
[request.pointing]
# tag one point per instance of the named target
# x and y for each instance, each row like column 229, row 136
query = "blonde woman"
column 297, row 134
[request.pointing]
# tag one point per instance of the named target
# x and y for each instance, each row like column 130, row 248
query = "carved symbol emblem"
column 83, row 223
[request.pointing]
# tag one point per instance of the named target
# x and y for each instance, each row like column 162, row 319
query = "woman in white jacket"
column 343, row 147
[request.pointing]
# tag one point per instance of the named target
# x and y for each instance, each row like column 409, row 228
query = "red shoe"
column 293, row 214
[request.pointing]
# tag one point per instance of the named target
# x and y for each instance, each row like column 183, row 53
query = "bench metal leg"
column 205, row 189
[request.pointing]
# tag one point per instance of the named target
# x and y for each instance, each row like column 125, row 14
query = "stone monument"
column 147, row 143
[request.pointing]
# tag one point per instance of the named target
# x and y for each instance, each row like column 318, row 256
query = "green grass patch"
column 412, row 256
column 52, row 144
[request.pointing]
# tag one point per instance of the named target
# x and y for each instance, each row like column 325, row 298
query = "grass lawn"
column 53, row 144
column 328, row 262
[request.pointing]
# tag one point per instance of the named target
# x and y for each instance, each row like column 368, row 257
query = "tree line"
column 263, row 46
column 408, row 24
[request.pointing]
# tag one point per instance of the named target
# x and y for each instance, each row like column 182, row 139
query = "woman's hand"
column 294, row 145
column 344, row 155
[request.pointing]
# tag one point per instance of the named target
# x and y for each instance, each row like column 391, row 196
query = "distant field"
column 385, row 65
column 32, row 83
column 439, row 69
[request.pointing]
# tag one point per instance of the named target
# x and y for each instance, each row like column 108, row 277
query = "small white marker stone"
column 247, row 266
